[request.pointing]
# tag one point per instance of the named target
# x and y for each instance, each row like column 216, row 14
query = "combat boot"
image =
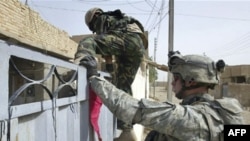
column 127, row 135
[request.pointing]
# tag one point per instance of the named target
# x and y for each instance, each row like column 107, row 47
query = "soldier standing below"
column 116, row 34
column 198, row 117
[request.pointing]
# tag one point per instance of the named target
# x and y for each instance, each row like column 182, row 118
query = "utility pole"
column 170, row 45
column 155, row 47
column 26, row 2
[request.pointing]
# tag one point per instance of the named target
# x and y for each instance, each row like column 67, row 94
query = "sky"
column 219, row 29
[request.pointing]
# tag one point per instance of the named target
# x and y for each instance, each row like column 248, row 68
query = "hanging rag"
column 95, row 106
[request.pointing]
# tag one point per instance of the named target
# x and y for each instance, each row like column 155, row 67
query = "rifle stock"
column 158, row 66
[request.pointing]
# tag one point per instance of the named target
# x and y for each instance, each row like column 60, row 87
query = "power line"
column 152, row 5
column 232, row 44
column 136, row 7
column 161, row 12
column 104, row 3
column 213, row 17
column 240, row 45
column 159, row 21
column 75, row 10
column 151, row 13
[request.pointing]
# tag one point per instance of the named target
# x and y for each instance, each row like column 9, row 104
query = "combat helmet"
column 89, row 16
column 198, row 68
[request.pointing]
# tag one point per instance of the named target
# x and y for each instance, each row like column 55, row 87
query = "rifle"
column 158, row 66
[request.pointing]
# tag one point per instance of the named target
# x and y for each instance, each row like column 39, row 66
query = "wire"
column 104, row 3
column 212, row 17
column 160, row 11
column 74, row 10
column 238, row 46
column 136, row 7
column 159, row 21
column 151, row 13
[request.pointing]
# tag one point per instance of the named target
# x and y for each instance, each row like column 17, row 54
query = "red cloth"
column 95, row 106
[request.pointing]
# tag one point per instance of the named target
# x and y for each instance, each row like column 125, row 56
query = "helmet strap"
column 179, row 95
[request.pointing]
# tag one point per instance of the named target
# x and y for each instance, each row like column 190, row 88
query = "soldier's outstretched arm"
column 175, row 120
column 86, row 47
column 178, row 121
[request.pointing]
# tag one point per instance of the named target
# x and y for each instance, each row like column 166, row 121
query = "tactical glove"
column 91, row 65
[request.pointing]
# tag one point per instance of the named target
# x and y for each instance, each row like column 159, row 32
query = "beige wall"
column 241, row 92
column 233, row 74
column 235, row 82
column 19, row 22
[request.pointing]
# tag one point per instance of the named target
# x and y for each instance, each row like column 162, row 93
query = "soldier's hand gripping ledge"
column 91, row 64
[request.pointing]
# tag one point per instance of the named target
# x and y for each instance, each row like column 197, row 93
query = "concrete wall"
column 140, row 88
column 236, row 74
column 238, row 91
column 161, row 84
column 235, row 82
column 20, row 24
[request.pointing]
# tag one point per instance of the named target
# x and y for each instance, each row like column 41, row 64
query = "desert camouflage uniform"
column 197, row 118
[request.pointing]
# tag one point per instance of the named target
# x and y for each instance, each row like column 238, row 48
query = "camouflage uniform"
column 199, row 117
column 118, row 35
column 194, row 120
column 121, row 37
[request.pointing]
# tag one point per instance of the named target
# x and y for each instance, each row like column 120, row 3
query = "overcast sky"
column 219, row 29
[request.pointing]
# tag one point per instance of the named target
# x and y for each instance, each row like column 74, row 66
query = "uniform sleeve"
column 175, row 120
column 86, row 46
column 121, row 104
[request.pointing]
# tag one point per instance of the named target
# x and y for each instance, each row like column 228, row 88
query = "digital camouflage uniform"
column 121, row 36
column 193, row 120
column 199, row 117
